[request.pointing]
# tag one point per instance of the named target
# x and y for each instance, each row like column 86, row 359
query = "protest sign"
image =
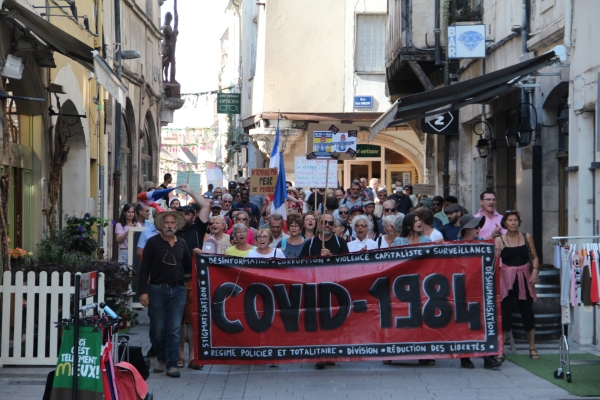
column 190, row 178
column 412, row 302
column 263, row 181
column 326, row 143
column 312, row 173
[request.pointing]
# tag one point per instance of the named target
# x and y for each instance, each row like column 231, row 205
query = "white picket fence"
column 17, row 347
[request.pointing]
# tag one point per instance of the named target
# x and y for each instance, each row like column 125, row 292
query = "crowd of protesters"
column 319, row 222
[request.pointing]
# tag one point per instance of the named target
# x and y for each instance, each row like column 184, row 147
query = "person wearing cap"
column 250, row 208
column 362, row 227
column 162, row 288
column 403, row 202
column 451, row 229
column 356, row 210
column 470, row 226
column 215, row 207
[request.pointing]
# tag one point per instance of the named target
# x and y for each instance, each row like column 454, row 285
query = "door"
column 357, row 170
column 405, row 173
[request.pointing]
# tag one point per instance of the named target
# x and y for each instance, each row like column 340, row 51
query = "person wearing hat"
column 294, row 202
column 470, row 227
column 215, row 207
column 450, row 231
column 162, row 288
column 356, row 210
column 193, row 232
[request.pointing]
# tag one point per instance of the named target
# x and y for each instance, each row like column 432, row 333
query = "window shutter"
column 370, row 43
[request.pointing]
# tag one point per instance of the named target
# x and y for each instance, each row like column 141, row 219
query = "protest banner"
column 326, row 143
column 263, row 181
column 412, row 302
column 312, row 173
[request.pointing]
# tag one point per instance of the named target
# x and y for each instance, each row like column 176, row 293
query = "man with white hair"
column 162, row 288
column 362, row 226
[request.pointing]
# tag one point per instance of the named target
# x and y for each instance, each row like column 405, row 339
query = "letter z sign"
column 443, row 124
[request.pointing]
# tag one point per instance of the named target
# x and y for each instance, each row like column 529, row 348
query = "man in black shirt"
column 403, row 202
column 333, row 243
column 246, row 205
column 320, row 193
column 451, row 229
column 162, row 267
column 193, row 233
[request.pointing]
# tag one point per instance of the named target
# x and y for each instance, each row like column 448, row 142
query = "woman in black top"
column 516, row 279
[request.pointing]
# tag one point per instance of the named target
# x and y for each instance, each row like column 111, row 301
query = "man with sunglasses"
column 215, row 208
column 388, row 207
column 333, row 243
column 354, row 199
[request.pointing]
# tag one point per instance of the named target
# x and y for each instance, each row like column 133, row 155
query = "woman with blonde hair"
column 217, row 228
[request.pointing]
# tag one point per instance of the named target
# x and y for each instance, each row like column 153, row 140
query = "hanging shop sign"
column 466, row 41
column 229, row 103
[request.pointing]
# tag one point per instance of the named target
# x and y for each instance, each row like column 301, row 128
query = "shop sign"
column 229, row 103
column 368, row 150
column 363, row 101
column 466, row 41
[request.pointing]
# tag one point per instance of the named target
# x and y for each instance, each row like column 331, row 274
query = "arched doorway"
column 379, row 161
column 74, row 174
column 146, row 140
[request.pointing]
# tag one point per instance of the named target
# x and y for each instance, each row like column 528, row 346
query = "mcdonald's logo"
column 60, row 369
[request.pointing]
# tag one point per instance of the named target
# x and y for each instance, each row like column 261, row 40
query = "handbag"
column 528, row 251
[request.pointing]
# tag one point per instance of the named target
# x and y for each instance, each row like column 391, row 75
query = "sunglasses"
column 388, row 209
column 241, row 219
column 360, row 226
column 330, row 223
column 344, row 212
column 215, row 208
column 226, row 201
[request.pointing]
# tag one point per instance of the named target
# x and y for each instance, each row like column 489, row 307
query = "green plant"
column 81, row 232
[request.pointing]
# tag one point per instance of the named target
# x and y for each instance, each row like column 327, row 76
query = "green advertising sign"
column 368, row 150
column 89, row 376
column 229, row 103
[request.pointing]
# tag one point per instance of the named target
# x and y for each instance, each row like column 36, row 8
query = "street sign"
column 421, row 189
column 363, row 101
column 443, row 124
column 229, row 103
column 466, row 41
column 88, row 284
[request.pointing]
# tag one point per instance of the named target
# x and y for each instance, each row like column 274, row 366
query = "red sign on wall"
column 434, row 301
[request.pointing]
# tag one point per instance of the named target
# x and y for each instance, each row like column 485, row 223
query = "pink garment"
column 249, row 238
column 507, row 280
column 490, row 224
column 120, row 229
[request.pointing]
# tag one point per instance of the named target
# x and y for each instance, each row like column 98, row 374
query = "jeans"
column 166, row 312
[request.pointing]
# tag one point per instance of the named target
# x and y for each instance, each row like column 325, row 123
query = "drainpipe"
column 568, row 24
column 117, row 131
column 439, row 62
column 437, row 32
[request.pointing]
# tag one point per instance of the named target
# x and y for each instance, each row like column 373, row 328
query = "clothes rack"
column 590, row 244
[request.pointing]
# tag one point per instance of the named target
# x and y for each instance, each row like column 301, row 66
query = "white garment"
column 276, row 241
column 358, row 245
column 384, row 243
column 277, row 253
column 436, row 235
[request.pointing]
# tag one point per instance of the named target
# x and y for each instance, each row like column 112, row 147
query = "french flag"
column 151, row 198
column 280, row 197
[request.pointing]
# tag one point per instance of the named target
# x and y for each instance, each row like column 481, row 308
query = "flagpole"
column 324, row 201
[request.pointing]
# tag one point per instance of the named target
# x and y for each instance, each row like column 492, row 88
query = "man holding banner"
column 326, row 243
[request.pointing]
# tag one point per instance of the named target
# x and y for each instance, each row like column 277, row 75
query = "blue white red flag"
column 152, row 198
column 280, row 197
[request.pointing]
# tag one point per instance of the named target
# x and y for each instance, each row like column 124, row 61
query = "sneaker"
column 490, row 362
column 159, row 367
column 466, row 363
column 173, row 373
column 320, row 365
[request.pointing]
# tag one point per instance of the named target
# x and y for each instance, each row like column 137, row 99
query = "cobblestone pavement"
column 352, row 380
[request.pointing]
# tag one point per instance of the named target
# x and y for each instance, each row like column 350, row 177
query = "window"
column 125, row 161
column 253, row 47
column 370, row 43
column 145, row 155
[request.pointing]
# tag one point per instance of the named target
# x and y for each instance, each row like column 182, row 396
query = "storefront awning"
column 107, row 78
column 52, row 35
column 453, row 97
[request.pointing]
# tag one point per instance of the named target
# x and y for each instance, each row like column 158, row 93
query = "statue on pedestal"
column 168, row 48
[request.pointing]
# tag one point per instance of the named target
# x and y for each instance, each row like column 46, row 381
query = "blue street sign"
column 363, row 101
